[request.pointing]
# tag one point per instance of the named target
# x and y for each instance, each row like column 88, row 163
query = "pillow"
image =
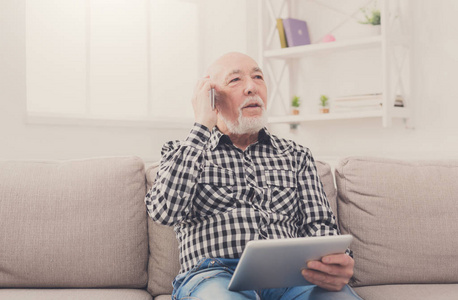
column 164, row 262
column 73, row 224
column 402, row 215
column 327, row 178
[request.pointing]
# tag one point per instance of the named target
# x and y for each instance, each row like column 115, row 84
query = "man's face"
column 241, row 93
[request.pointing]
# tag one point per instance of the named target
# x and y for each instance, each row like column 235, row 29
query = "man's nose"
column 250, row 87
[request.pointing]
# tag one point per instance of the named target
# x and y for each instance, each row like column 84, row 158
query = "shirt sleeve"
column 170, row 198
column 319, row 219
column 316, row 210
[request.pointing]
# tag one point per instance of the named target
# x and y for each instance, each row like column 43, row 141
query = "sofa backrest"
column 403, row 218
column 73, row 224
column 164, row 263
column 327, row 178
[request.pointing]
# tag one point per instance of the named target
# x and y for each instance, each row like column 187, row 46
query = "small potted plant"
column 295, row 103
column 372, row 17
column 324, row 107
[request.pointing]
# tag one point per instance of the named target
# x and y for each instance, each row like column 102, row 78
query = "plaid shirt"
column 219, row 197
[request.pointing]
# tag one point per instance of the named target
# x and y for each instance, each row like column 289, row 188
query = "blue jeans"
column 210, row 278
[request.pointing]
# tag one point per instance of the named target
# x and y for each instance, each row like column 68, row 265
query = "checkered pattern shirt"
column 219, row 197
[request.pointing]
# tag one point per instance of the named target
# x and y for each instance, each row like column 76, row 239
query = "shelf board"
column 396, row 112
column 322, row 48
column 322, row 117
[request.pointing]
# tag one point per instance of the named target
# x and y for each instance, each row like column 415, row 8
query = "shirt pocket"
column 215, row 192
column 281, row 191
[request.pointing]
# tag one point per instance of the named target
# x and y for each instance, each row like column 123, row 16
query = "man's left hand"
column 332, row 273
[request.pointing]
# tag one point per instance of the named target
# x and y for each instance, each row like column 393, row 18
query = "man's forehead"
column 238, row 71
column 231, row 63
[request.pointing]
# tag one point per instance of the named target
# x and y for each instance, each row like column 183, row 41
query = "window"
column 111, row 59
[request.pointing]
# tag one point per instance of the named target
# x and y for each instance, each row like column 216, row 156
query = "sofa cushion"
column 74, row 294
column 408, row 292
column 403, row 217
column 73, row 223
column 164, row 262
column 327, row 178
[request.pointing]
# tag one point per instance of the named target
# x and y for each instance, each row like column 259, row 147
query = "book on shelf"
column 339, row 109
column 399, row 101
column 359, row 97
column 296, row 32
column 365, row 97
column 281, row 33
column 364, row 102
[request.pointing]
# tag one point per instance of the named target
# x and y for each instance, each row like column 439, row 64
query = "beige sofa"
column 79, row 229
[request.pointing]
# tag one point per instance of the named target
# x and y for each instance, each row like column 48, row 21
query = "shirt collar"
column 217, row 137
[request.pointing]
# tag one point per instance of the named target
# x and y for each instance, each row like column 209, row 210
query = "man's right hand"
column 201, row 103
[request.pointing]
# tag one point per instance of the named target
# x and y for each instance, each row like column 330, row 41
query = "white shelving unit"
column 322, row 49
column 392, row 39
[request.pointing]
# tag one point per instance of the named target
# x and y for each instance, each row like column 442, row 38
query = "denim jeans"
column 210, row 278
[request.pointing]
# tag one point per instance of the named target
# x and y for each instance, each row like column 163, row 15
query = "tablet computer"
column 278, row 263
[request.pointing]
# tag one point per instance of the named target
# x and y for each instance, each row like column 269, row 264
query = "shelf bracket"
column 276, row 91
column 348, row 16
column 272, row 14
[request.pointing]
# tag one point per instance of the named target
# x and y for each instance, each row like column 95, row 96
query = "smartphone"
column 212, row 98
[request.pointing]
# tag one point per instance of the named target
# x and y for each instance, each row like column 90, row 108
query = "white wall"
column 19, row 140
column 231, row 25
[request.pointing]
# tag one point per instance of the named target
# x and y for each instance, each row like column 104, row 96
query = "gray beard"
column 246, row 125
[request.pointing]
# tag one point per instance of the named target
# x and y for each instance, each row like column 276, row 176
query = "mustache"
column 253, row 100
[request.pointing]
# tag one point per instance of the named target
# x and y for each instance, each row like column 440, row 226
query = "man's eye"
column 258, row 77
column 235, row 79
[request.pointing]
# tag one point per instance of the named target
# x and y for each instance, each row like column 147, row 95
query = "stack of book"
column 293, row 32
column 365, row 102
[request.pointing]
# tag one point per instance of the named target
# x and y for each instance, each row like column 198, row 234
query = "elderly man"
column 231, row 181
